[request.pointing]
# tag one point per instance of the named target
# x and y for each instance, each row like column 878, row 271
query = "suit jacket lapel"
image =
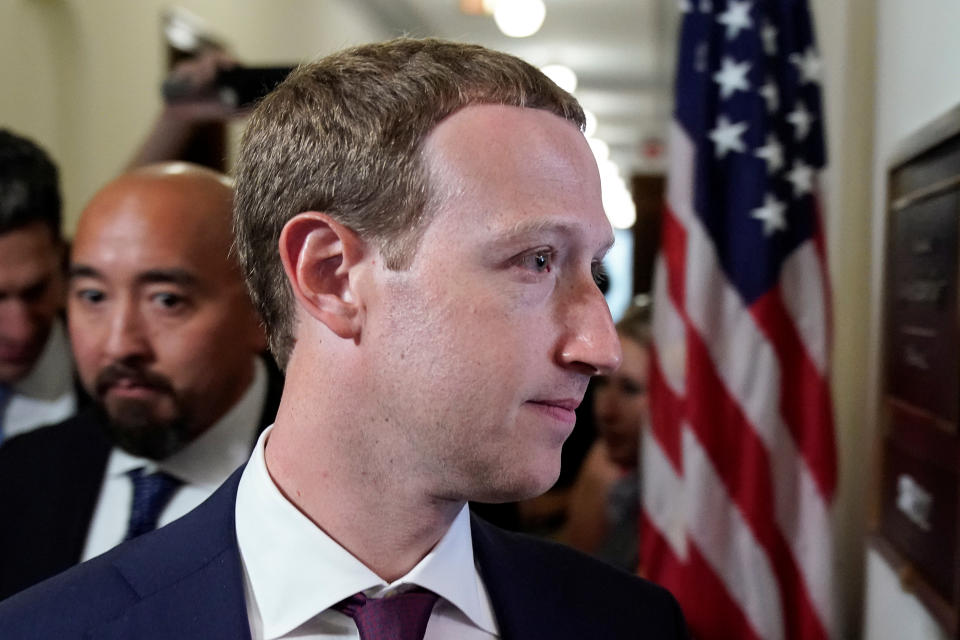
column 201, row 571
column 73, row 471
column 525, row 607
column 188, row 577
column 84, row 463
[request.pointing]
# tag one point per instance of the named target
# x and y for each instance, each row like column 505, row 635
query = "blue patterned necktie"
column 400, row 617
column 151, row 493
column 5, row 393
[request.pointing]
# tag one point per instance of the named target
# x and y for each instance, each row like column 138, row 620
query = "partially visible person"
column 183, row 117
column 603, row 512
column 36, row 372
column 167, row 344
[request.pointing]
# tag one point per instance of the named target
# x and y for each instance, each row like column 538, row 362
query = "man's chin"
column 140, row 429
column 519, row 488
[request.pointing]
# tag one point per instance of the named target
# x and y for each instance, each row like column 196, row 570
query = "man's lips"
column 560, row 409
column 131, row 388
column 121, row 380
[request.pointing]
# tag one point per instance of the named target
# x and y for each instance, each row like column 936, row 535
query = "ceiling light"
column 619, row 206
column 617, row 201
column 562, row 75
column 519, row 18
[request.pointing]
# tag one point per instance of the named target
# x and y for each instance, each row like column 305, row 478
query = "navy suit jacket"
column 186, row 581
column 49, row 485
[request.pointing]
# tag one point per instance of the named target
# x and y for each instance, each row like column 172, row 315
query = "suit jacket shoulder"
column 184, row 580
column 49, row 482
column 541, row 589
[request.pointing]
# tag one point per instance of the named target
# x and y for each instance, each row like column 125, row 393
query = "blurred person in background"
column 603, row 513
column 168, row 345
column 37, row 383
column 190, row 102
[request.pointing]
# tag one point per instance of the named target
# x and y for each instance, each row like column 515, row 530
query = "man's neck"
column 381, row 519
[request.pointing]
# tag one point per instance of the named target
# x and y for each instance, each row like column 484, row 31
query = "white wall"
column 846, row 41
column 892, row 615
column 889, row 69
column 917, row 80
column 82, row 77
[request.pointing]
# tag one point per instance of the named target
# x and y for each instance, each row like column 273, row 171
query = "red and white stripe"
column 739, row 463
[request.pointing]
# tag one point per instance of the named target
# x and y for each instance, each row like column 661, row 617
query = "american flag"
column 739, row 465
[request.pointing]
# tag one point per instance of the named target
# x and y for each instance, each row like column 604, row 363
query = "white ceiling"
column 621, row 50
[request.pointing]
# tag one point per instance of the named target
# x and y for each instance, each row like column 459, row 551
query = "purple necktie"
column 400, row 617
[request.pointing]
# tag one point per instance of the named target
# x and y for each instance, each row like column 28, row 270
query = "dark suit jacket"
column 49, row 484
column 186, row 581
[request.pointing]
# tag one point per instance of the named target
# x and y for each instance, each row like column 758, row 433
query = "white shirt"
column 202, row 465
column 293, row 571
column 46, row 395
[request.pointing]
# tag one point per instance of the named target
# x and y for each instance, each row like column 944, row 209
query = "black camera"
column 238, row 87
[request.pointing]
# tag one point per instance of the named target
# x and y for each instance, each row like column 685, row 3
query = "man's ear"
column 317, row 254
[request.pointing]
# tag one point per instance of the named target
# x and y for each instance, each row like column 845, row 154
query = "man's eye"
column 600, row 277
column 35, row 292
column 540, row 261
column 632, row 388
column 89, row 296
column 168, row 300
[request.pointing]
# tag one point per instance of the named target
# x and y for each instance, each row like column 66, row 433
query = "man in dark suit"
column 419, row 223
column 36, row 372
column 167, row 344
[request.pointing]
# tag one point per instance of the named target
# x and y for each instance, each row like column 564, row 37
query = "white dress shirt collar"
column 217, row 452
column 46, row 394
column 295, row 570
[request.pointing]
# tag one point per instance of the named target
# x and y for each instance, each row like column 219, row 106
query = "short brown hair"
column 343, row 135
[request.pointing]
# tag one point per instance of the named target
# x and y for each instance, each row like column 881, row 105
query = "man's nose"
column 590, row 342
column 127, row 335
